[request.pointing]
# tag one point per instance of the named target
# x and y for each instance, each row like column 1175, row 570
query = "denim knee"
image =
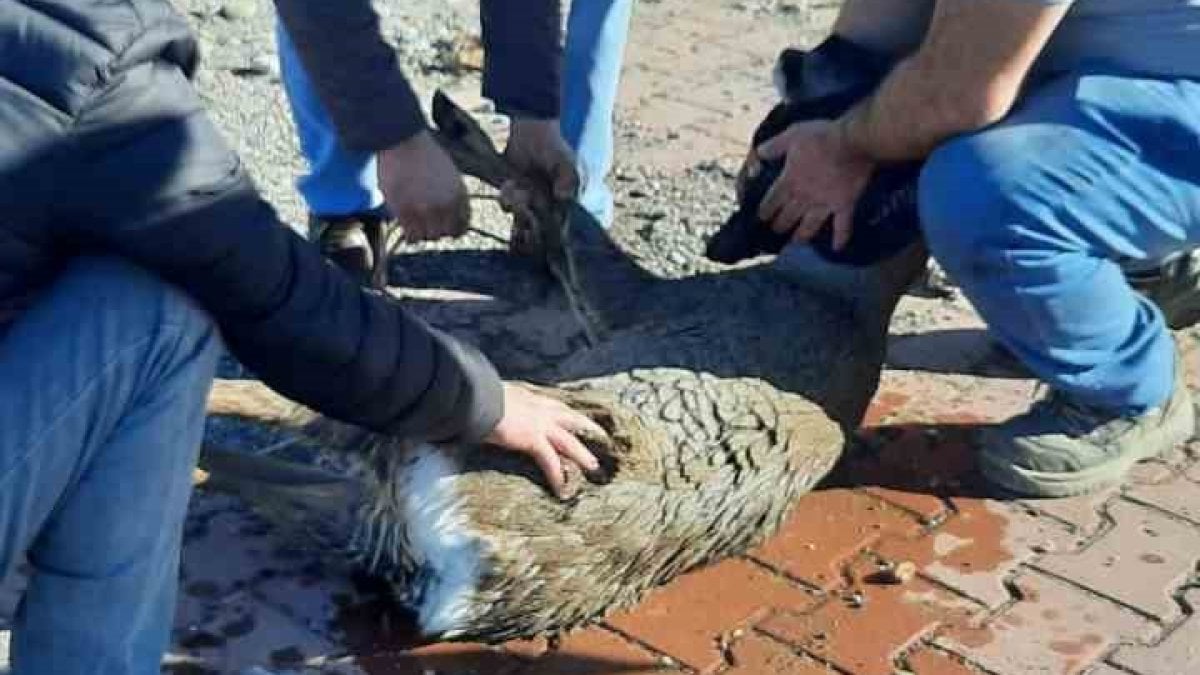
column 960, row 204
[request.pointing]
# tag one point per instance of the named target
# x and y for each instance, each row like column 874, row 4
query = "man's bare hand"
column 424, row 190
column 545, row 430
column 537, row 150
column 822, row 180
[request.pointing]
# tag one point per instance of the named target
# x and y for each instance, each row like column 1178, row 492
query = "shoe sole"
column 1178, row 428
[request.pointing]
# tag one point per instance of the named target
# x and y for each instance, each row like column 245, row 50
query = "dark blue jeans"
column 102, row 391
column 1032, row 216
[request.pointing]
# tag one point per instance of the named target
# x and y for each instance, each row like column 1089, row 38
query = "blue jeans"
column 102, row 392
column 1033, row 215
column 341, row 181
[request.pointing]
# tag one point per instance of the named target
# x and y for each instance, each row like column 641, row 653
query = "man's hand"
column 537, row 151
column 822, row 179
column 424, row 190
column 544, row 429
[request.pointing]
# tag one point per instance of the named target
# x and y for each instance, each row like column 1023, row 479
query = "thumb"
column 775, row 147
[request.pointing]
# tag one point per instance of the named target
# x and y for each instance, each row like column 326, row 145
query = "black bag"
column 823, row 84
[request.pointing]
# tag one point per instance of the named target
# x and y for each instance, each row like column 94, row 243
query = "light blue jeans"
column 1032, row 216
column 102, row 393
column 341, row 181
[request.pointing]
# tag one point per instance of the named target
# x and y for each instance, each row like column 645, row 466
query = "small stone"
column 236, row 10
column 260, row 65
column 901, row 573
column 856, row 600
column 666, row 662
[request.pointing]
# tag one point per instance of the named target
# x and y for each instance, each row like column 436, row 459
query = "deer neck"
column 872, row 290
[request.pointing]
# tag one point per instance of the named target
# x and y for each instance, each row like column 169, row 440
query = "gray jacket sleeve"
column 358, row 77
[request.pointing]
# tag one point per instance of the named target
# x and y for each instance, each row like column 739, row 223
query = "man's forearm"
column 965, row 75
column 356, row 73
column 906, row 117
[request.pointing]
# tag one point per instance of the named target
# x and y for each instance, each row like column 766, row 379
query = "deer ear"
column 467, row 143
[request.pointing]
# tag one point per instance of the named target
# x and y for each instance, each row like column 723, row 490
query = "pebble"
column 236, row 10
column 260, row 65
column 901, row 573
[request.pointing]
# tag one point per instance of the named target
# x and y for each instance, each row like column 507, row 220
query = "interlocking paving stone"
column 826, row 529
column 927, row 447
column 927, row 661
column 1085, row 512
column 1055, row 628
column 1105, row 669
column 686, row 618
column 1193, row 473
column 913, row 464
column 757, row 655
column 1145, row 557
column 1178, row 653
column 1179, row 496
column 863, row 633
column 977, row 548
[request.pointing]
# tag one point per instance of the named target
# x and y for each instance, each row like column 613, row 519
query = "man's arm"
column 965, row 75
column 153, row 181
column 356, row 73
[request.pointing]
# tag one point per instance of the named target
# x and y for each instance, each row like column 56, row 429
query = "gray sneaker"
column 1174, row 286
column 357, row 243
column 1060, row 448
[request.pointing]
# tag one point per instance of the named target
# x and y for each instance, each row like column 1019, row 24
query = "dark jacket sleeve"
column 372, row 104
column 523, row 56
column 150, row 179
column 356, row 73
